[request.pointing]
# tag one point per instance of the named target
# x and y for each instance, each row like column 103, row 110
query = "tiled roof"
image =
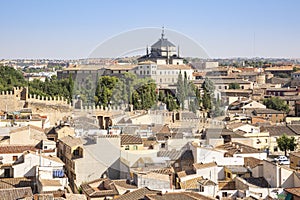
column 191, row 183
column 185, row 173
column 163, row 171
column 295, row 128
column 267, row 111
column 71, row 141
column 279, row 130
column 162, row 129
column 237, row 148
column 99, row 188
column 138, row 194
column 16, row 193
column 205, row 165
column 178, row 196
column 206, row 182
column 294, row 191
column 251, row 162
column 176, row 154
column 124, row 184
column 16, row 148
column 75, row 196
column 130, row 139
column 6, row 183
column 27, row 128
column 279, row 68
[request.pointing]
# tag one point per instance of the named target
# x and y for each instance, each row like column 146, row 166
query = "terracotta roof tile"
column 15, row 182
column 16, row 149
column 71, row 141
column 179, row 195
column 191, row 183
column 138, row 194
column 16, row 193
column 294, row 191
column 130, row 139
column 27, row 128
column 204, row 165
column 237, row 148
column 251, row 162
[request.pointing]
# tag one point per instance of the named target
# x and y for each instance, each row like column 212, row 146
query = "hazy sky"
column 72, row 29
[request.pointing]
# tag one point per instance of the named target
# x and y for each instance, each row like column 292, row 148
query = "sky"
column 61, row 29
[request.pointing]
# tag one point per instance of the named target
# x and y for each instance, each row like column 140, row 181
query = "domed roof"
column 162, row 42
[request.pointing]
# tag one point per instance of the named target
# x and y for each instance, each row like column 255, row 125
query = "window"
column 135, row 147
column 45, row 147
column 275, row 149
column 224, row 194
column 76, row 152
column 201, row 189
column 127, row 147
column 225, row 87
column 228, row 175
column 15, row 158
column 163, row 145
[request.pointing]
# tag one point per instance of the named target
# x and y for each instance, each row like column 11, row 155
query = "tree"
column 104, row 90
column 286, row 143
column 234, row 86
column 276, row 104
column 180, row 90
column 208, row 95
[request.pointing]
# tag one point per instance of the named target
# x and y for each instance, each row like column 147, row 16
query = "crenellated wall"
column 54, row 107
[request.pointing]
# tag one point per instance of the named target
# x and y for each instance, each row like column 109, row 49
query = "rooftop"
column 138, row 194
column 71, row 141
column 16, row 148
column 16, row 193
column 237, row 148
column 130, row 139
column 204, row 165
column 29, row 127
column 176, row 154
column 191, row 183
column 179, row 195
column 6, row 183
column 294, row 191
column 267, row 111
column 99, row 188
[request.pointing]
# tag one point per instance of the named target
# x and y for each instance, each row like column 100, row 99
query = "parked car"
column 280, row 158
column 284, row 162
